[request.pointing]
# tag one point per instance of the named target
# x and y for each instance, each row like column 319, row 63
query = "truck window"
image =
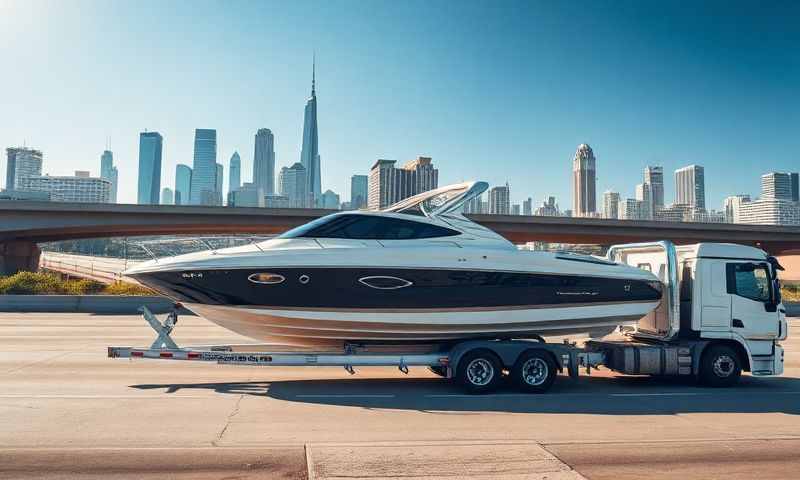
column 748, row 280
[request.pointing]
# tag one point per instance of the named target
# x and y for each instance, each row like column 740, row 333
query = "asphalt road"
column 67, row 411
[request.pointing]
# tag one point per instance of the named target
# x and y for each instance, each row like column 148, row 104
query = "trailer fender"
column 508, row 351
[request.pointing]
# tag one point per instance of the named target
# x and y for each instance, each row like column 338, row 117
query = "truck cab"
column 721, row 313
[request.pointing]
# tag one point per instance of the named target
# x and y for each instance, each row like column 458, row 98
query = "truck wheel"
column 479, row 371
column 720, row 366
column 534, row 372
column 439, row 370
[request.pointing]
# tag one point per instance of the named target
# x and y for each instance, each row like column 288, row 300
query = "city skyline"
column 391, row 98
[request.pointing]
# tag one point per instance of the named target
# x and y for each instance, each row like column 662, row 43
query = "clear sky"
column 496, row 91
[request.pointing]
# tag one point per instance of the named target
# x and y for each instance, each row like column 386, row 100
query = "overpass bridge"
column 23, row 224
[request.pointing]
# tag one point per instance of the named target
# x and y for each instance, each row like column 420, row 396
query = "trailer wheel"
column 720, row 366
column 479, row 371
column 534, row 371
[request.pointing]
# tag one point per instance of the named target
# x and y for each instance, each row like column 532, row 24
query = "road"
column 67, row 411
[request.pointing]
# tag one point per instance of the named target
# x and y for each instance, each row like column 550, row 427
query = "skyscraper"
column 358, row 191
column 264, row 161
column 309, row 155
column 204, row 169
column 645, row 196
column 167, row 196
column 109, row 172
column 388, row 184
column 776, row 185
column 219, row 183
column 584, row 181
column 654, row 177
column 500, row 200
column 611, row 204
column 527, row 206
column 150, row 145
column 690, row 187
column 235, row 173
column 22, row 162
column 795, row 187
column 183, row 184
column 733, row 207
column 294, row 185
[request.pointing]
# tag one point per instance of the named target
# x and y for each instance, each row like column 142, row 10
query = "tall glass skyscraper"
column 22, row 162
column 309, row 156
column 150, row 145
column 183, row 184
column 690, row 186
column 264, row 161
column 109, row 172
column 219, row 184
column 235, row 173
column 204, row 171
column 358, row 191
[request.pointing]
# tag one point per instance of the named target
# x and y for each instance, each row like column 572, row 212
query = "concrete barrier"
column 100, row 304
column 792, row 309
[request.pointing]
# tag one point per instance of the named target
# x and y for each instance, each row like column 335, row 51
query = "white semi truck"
column 721, row 315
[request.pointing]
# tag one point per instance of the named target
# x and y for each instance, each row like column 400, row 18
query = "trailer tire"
column 720, row 366
column 534, row 372
column 479, row 371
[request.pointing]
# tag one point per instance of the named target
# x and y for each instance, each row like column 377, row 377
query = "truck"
column 720, row 315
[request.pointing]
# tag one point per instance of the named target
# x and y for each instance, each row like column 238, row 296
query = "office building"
column 277, row 201
column 359, row 187
column 500, row 200
column 527, row 206
column 264, row 161
column 109, row 172
column 777, row 185
column 584, row 181
column 611, row 204
column 516, row 209
column 309, row 155
column 690, row 188
column 733, row 205
column 167, row 196
column 330, row 200
column 549, row 208
column 149, row 185
column 388, row 185
column 235, row 172
column 654, row 179
column 474, row 205
column 632, row 209
column 644, row 196
column 27, row 195
column 795, row 187
column 183, row 184
column 22, row 162
column 218, row 184
column 247, row 195
column 294, row 186
column 80, row 188
column 770, row 211
column 204, row 168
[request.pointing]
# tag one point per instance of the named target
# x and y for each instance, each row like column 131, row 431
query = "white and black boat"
column 417, row 272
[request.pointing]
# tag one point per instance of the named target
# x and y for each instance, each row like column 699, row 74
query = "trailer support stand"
column 162, row 329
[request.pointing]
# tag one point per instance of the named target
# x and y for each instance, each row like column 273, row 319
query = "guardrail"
column 101, row 269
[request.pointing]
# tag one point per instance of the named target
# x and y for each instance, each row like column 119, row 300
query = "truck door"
column 714, row 299
column 752, row 314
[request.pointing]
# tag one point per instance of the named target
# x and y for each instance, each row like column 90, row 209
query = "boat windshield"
column 368, row 227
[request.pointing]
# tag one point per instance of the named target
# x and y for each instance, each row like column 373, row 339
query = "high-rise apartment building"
column 690, row 187
column 654, row 178
column 149, row 185
column 264, row 161
column 109, row 172
column 183, row 184
column 527, row 206
column 204, row 169
column 474, row 205
column 500, row 200
column 22, row 162
column 733, row 206
column 777, row 185
column 235, row 172
column 294, row 186
column 309, row 155
column 584, row 180
column 359, row 188
column 611, row 205
column 167, row 196
column 388, row 184
column 645, row 196
column 632, row 209
column 81, row 188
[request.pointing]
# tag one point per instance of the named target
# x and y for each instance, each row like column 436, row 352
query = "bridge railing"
column 101, row 269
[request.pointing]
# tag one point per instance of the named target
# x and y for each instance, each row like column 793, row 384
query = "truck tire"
column 534, row 371
column 479, row 371
column 720, row 366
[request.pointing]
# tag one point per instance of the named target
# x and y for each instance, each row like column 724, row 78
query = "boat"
column 418, row 271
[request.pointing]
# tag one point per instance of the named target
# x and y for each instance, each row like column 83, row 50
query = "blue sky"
column 497, row 91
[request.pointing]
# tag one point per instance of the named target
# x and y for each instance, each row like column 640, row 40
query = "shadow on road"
column 588, row 395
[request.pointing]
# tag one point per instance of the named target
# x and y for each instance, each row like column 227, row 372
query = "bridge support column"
column 18, row 255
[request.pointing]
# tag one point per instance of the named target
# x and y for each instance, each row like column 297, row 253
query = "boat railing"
column 183, row 245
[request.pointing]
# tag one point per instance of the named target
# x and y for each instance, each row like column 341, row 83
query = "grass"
column 790, row 292
column 45, row 283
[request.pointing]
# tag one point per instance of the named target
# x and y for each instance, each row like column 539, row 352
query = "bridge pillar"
column 18, row 255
